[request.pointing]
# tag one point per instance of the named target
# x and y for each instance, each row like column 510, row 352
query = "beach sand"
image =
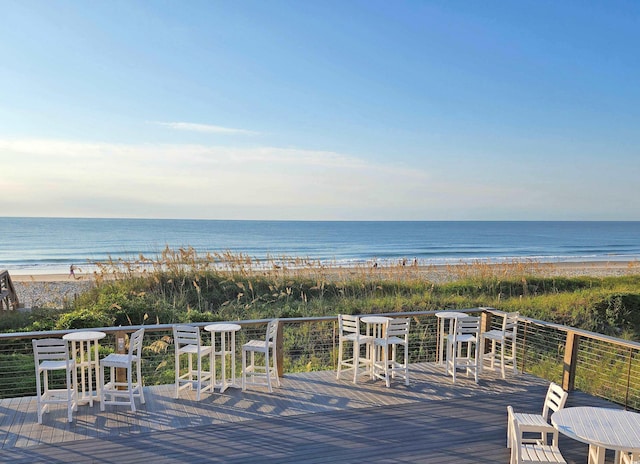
column 52, row 290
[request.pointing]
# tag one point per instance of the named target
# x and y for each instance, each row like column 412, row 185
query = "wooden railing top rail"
column 297, row 320
column 583, row 333
column 169, row 327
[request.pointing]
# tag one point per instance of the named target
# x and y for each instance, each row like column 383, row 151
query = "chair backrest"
column 510, row 323
column 398, row 327
column 50, row 349
column 348, row 324
column 467, row 325
column 516, row 438
column 555, row 399
column 272, row 332
column 135, row 344
column 186, row 335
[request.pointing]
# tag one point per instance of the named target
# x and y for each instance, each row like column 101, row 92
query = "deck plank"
column 312, row 418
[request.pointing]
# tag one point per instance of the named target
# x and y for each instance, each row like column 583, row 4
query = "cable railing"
column 602, row 366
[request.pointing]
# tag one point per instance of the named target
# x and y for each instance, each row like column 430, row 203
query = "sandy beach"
column 39, row 290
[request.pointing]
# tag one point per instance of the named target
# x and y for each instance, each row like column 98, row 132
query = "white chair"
column 554, row 400
column 507, row 335
column 396, row 333
column 267, row 348
column 52, row 354
column 114, row 388
column 463, row 347
column 186, row 339
column 530, row 453
column 349, row 332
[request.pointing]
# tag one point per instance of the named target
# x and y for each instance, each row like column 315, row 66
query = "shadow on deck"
column 312, row 418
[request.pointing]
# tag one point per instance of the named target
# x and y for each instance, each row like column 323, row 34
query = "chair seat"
column 497, row 335
column 115, row 360
column 193, row 349
column 465, row 338
column 541, row 453
column 257, row 345
column 55, row 365
column 388, row 341
column 359, row 338
column 532, row 420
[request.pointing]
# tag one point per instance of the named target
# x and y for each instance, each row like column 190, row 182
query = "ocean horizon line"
column 331, row 220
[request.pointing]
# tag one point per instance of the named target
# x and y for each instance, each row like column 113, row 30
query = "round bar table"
column 87, row 364
column 600, row 428
column 443, row 318
column 227, row 347
column 375, row 329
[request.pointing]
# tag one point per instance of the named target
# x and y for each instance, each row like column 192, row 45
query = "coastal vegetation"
column 183, row 286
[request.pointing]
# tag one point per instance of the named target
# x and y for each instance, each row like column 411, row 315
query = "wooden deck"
column 312, row 418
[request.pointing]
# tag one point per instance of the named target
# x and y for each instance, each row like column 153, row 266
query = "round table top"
column 613, row 429
column 450, row 314
column 222, row 327
column 84, row 336
column 375, row 319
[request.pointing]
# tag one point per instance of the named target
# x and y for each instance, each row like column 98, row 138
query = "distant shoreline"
column 567, row 269
column 38, row 290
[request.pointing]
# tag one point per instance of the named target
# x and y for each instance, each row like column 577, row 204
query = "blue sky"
column 354, row 110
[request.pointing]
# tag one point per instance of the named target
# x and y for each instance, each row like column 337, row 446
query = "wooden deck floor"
column 312, row 418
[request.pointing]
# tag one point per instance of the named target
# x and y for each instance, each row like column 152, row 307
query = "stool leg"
column 268, row 371
column 244, row 369
column 340, row 343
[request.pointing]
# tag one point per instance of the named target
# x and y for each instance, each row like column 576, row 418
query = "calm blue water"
column 50, row 245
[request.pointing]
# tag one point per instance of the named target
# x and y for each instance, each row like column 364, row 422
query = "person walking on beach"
column 72, row 271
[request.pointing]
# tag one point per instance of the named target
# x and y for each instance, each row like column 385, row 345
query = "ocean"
column 51, row 245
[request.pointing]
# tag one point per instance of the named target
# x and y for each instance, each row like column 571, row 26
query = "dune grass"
column 184, row 286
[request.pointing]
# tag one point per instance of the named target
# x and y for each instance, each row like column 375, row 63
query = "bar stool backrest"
column 186, row 335
column 272, row 332
column 51, row 349
column 135, row 345
column 348, row 324
column 510, row 325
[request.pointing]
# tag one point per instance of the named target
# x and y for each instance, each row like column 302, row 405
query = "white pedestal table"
column 88, row 364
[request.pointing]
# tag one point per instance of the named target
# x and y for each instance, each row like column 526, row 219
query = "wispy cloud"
column 195, row 180
column 79, row 178
column 206, row 128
